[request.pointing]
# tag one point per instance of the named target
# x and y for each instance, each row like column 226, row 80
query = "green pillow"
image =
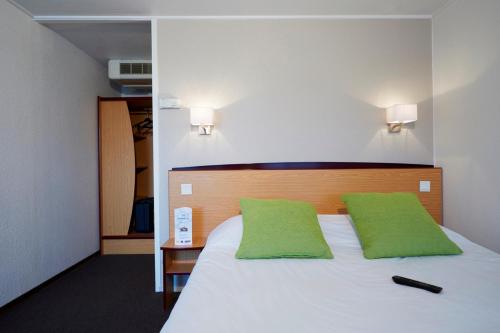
column 396, row 225
column 281, row 229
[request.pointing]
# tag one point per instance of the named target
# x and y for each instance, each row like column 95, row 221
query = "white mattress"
column 346, row 294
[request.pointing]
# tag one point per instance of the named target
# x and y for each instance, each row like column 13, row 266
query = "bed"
column 346, row 294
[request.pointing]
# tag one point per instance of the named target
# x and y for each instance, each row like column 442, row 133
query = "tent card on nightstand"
column 183, row 226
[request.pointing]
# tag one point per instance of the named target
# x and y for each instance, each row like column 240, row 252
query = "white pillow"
column 228, row 233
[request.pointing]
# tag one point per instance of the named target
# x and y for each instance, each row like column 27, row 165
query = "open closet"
column 126, row 175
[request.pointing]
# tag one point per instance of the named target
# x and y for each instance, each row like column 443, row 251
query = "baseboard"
column 47, row 282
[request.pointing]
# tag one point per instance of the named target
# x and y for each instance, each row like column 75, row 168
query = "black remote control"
column 416, row 284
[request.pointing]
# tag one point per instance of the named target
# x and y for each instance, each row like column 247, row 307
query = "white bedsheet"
column 346, row 294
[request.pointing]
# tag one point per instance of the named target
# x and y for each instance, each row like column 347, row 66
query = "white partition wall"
column 467, row 114
column 48, row 146
column 290, row 90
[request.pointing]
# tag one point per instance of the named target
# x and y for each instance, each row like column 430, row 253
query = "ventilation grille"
column 135, row 68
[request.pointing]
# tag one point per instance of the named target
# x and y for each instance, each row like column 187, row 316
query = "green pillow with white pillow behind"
column 281, row 229
column 396, row 225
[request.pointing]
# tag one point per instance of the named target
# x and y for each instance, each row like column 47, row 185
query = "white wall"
column 48, row 148
column 467, row 116
column 292, row 90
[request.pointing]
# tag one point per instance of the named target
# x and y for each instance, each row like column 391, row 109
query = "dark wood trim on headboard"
column 303, row 166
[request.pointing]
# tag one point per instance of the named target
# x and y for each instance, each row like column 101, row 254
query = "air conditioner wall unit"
column 131, row 76
column 130, row 69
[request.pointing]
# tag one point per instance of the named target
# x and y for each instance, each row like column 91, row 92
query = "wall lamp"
column 400, row 114
column 204, row 119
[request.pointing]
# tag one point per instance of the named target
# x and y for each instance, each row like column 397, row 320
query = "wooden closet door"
column 117, row 163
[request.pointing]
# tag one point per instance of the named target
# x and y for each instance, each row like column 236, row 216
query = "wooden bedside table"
column 178, row 260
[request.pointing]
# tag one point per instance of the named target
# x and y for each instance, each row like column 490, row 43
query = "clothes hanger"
column 146, row 124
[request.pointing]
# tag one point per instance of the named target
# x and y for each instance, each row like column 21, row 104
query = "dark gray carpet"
column 104, row 294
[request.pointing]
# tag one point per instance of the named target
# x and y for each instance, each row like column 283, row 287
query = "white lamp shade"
column 402, row 114
column 202, row 116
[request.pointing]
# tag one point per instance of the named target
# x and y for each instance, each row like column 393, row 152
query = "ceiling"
column 105, row 38
column 104, row 41
column 228, row 7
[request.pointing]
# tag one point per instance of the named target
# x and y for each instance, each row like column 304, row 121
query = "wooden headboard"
column 216, row 194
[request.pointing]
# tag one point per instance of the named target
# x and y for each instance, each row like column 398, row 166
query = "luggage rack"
column 132, row 234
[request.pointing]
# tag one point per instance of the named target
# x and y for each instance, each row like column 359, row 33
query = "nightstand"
column 178, row 260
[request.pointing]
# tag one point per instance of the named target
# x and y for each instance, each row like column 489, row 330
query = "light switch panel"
column 169, row 103
column 425, row 186
column 186, row 189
